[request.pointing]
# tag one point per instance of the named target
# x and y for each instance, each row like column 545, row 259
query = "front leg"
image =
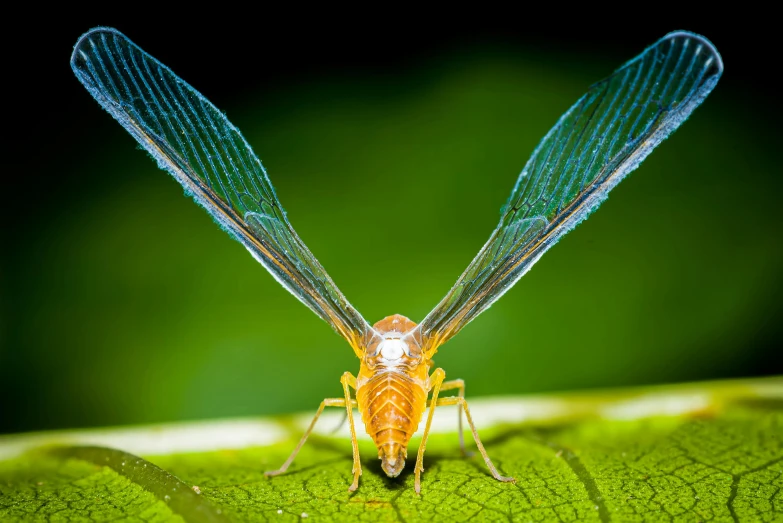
column 348, row 380
column 436, row 381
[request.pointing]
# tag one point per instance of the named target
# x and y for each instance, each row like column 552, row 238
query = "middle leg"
column 347, row 380
column 328, row 402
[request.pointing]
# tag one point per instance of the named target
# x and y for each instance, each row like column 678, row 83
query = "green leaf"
column 705, row 452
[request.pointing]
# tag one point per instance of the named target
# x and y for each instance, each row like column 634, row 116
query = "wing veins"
column 593, row 146
column 188, row 137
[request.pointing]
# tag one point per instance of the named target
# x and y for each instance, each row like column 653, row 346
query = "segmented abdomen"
column 391, row 404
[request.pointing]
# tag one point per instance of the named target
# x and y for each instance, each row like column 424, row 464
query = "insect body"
column 392, row 389
column 594, row 145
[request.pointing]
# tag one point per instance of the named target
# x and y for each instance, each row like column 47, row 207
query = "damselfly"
column 594, row 145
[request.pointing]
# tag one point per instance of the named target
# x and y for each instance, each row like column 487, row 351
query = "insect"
column 594, row 145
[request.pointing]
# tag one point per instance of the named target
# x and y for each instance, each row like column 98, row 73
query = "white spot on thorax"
column 393, row 349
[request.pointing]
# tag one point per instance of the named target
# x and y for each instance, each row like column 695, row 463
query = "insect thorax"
column 394, row 344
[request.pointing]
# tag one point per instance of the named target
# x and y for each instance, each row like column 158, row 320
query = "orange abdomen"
column 391, row 404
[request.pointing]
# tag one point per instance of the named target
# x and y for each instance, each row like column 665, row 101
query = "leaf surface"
column 709, row 452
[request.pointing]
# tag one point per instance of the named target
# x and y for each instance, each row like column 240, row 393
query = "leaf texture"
column 705, row 452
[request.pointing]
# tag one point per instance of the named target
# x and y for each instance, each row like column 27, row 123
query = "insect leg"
column 458, row 384
column 328, row 402
column 348, row 380
column 457, row 400
column 436, row 380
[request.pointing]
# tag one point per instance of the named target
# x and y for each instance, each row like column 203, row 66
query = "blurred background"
column 393, row 145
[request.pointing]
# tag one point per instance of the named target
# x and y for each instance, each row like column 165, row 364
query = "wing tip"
column 84, row 40
column 712, row 50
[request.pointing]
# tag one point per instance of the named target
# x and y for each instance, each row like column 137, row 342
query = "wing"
column 594, row 145
column 191, row 139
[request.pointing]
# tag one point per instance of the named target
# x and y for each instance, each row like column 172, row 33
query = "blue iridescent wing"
column 594, row 145
column 191, row 139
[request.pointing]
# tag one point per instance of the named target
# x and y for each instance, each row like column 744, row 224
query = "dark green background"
column 392, row 149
